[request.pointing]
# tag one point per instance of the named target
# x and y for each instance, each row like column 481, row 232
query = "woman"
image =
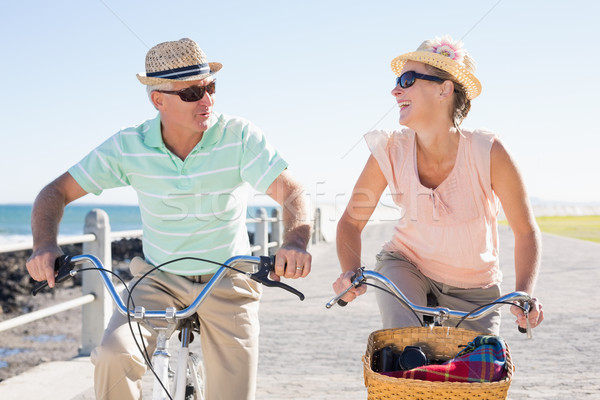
column 448, row 182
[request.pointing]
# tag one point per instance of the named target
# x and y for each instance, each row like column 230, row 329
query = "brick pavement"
column 308, row 352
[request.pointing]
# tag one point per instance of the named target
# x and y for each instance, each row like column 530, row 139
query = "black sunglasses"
column 408, row 79
column 192, row 93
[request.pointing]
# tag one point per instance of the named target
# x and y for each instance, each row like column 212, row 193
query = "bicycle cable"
column 462, row 318
column 143, row 351
column 142, row 348
column 460, row 321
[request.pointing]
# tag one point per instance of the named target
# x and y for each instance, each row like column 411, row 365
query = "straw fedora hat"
column 448, row 55
column 181, row 60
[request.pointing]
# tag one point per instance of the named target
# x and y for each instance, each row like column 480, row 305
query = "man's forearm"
column 47, row 212
column 296, row 225
column 297, row 229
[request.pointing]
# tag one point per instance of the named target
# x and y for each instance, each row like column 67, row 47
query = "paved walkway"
column 308, row 352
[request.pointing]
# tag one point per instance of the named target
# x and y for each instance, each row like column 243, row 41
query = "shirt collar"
column 213, row 134
column 153, row 136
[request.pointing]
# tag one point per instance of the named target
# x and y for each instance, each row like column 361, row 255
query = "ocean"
column 15, row 219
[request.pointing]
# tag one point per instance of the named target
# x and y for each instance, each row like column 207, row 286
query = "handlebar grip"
column 62, row 267
column 40, row 285
column 341, row 302
column 527, row 308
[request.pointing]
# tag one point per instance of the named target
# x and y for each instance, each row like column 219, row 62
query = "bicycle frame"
column 160, row 364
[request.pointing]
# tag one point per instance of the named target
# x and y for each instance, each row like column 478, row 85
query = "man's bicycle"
column 187, row 381
column 436, row 341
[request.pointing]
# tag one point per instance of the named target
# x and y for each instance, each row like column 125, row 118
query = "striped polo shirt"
column 190, row 208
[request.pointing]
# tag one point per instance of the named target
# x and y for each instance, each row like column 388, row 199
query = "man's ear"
column 157, row 99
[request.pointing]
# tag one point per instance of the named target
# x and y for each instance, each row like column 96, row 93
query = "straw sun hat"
column 448, row 55
column 181, row 60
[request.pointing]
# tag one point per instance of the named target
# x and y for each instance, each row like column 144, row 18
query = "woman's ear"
column 447, row 88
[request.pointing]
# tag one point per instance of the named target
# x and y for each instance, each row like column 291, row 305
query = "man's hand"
column 41, row 264
column 536, row 315
column 291, row 262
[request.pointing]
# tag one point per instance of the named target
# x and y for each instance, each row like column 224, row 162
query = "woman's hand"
column 344, row 282
column 536, row 315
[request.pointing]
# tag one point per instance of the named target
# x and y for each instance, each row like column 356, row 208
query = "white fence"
column 97, row 238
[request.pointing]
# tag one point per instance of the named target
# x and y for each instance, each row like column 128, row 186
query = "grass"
column 585, row 227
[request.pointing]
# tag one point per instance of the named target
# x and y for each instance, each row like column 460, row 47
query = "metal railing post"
column 276, row 230
column 95, row 316
column 316, row 236
column 261, row 233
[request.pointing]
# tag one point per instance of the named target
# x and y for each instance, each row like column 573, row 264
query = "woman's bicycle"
column 436, row 341
column 188, row 377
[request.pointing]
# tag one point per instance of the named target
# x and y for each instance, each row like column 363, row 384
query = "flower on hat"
column 447, row 47
column 449, row 51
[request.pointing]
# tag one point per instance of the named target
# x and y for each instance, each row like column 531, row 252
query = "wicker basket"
column 438, row 343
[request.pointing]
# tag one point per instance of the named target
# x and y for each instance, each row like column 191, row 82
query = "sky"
column 313, row 75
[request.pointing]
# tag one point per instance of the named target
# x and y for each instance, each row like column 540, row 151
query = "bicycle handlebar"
column 441, row 313
column 64, row 265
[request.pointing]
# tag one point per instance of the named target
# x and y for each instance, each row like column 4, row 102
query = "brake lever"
column 357, row 279
column 528, row 330
column 262, row 276
column 63, row 267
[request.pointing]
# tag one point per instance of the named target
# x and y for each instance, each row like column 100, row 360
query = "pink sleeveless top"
column 449, row 232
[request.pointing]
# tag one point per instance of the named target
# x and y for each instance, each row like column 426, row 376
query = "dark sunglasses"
column 408, row 79
column 192, row 93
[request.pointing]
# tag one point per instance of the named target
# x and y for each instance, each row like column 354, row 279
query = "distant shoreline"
column 15, row 225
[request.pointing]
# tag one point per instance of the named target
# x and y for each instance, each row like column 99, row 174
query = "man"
column 190, row 168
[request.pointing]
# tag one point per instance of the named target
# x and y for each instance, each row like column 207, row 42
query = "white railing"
column 97, row 239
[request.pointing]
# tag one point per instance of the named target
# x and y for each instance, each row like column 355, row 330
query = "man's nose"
column 207, row 99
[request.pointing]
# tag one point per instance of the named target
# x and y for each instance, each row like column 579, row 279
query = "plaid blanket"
column 482, row 360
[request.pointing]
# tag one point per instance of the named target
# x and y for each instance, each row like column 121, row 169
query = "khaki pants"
column 229, row 335
column 417, row 286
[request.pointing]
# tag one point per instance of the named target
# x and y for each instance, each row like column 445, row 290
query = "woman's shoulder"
column 479, row 135
column 479, row 139
column 389, row 137
column 389, row 145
